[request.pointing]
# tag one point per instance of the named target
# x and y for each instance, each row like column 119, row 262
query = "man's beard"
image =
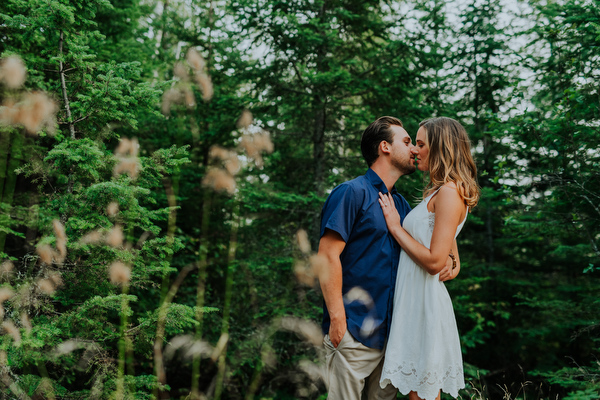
column 406, row 168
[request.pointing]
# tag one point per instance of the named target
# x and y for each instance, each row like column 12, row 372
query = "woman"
column 423, row 351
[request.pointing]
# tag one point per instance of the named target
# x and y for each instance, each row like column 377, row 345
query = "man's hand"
column 336, row 332
column 331, row 246
column 447, row 273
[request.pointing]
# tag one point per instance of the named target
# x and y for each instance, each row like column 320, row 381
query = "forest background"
column 158, row 159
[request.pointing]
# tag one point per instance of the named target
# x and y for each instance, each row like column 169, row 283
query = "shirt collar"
column 377, row 182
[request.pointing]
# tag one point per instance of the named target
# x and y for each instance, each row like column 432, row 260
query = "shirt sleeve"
column 340, row 211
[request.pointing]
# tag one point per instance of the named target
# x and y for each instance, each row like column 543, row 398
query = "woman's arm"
column 449, row 208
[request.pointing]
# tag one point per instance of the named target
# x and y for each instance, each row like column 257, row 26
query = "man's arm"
column 331, row 247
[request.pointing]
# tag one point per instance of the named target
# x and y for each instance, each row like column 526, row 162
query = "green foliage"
column 314, row 74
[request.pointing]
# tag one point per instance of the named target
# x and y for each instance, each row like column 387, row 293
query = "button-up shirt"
column 370, row 257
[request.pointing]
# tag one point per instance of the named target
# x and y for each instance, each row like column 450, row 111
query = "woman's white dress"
column 423, row 350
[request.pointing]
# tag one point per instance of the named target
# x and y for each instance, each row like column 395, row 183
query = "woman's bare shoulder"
column 448, row 196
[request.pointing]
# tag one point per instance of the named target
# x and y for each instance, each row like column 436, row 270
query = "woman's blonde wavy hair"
column 450, row 158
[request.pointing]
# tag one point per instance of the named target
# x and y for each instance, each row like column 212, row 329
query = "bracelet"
column 453, row 260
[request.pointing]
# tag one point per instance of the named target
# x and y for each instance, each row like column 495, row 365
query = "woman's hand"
column 392, row 218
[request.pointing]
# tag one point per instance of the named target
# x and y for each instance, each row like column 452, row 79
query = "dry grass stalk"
column 190, row 347
column 119, row 273
column 5, row 294
column 314, row 371
column 220, row 346
column 219, row 180
column 13, row 331
column 114, row 237
column 245, row 120
column 1, row 312
column 12, row 72
column 308, row 330
column 112, row 209
column 303, row 242
column 3, row 358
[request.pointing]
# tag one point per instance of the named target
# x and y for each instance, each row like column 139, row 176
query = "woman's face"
column 423, row 150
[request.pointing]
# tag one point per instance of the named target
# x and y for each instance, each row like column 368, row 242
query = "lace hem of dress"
column 427, row 385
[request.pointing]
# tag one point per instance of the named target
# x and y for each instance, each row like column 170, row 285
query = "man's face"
column 402, row 154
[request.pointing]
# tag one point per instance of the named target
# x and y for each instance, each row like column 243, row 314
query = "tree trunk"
column 63, row 85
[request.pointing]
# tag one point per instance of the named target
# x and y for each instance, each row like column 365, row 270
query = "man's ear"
column 385, row 147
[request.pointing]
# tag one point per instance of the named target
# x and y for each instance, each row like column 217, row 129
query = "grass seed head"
column 46, row 253
column 124, row 147
column 46, row 286
column 303, row 273
column 170, row 97
column 112, row 209
column 59, row 230
column 245, row 120
column 303, row 242
column 195, row 60
column 190, row 99
column 9, row 113
column 12, row 72
column 119, row 273
column 320, row 267
column 91, row 237
column 229, row 158
column 26, row 322
column 6, row 269
column 206, row 86
column 359, row 294
column 36, row 111
column 180, row 72
column 219, row 180
column 129, row 165
column 13, row 331
column 5, row 294
column 114, row 237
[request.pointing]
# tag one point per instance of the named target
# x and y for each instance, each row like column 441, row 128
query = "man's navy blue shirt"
column 370, row 257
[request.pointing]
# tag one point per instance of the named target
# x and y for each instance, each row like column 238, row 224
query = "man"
column 361, row 253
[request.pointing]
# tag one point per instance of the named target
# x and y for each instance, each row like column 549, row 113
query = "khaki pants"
column 353, row 371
